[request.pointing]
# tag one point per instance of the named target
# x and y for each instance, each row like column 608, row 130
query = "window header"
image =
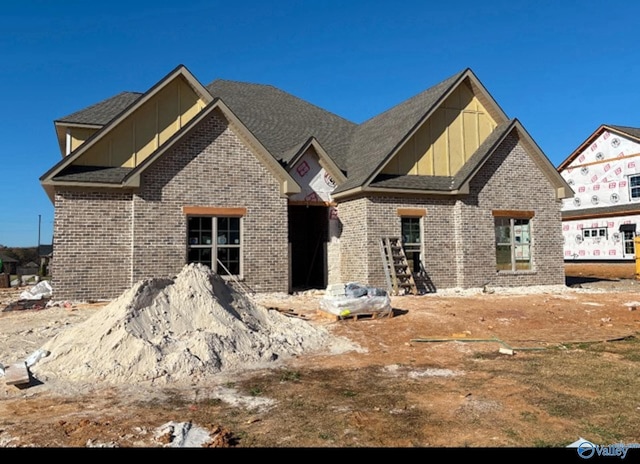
column 214, row 211
column 518, row 214
column 412, row 212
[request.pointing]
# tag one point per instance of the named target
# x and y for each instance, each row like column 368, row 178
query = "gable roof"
column 66, row 173
column 375, row 138
column 283, row 122
column 459, row 183
column 379, row 138
column 105, row 175
column 283, row 126
column 631, row 132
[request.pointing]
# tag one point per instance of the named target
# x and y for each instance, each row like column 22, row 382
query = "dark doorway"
column 308, row 231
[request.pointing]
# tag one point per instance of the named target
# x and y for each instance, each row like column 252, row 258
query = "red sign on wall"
column 313, row 196
column 303, row 169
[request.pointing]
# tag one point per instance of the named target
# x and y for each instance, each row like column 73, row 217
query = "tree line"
column 22, row 255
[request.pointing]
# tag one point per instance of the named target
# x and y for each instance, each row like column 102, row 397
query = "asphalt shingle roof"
column 632, row 131
column 283, row 122
column 375, row 138
column 102, row 112
column 608, row 210
column 97, row 174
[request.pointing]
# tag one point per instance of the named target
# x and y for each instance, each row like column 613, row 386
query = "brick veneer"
column 106, row 240
column 458, row 233
column 91, row 244
column 143, row 234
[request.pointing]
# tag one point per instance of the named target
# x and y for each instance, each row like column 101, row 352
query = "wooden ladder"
column 399, row 276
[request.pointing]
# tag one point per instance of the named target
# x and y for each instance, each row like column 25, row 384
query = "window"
column 215, row 242
column 595, row 232
column 513, row 243
column 634, row 187
column 411, row 241
column 628, row 238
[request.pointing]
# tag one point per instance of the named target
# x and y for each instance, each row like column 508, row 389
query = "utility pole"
column 39, row 221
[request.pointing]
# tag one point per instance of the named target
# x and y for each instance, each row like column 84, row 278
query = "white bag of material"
column 37, row 292
column 345, row 306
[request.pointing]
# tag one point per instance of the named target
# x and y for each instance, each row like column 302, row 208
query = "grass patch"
column 290, row 376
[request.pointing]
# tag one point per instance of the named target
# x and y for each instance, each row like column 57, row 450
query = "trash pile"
column 36, row 297
column 177, row 331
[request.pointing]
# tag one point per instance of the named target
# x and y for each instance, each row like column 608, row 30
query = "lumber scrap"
column 17, row 374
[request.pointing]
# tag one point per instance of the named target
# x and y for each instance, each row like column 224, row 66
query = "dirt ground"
column 422, row 377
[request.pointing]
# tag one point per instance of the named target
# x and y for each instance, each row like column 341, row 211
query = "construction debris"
column 356, row 301
column 17, row 374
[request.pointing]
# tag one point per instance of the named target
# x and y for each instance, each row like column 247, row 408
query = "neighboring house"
column 278, row 194
column 600, row 221
column 9, row 265
column 30, row 268
column 45, row 253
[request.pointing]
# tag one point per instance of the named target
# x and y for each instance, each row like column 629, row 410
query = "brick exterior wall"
column 211, row 167
column 458, row 233
column 106, row 241
column 511, row 180
column 91, row 244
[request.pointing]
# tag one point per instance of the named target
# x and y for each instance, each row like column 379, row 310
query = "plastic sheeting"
column 357, row 299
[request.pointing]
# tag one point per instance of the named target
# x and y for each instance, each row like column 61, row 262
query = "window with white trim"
column 215, row 242
column 634, row 187
column 513, row 243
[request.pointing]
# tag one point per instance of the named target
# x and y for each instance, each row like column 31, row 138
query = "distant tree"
column 22, row 255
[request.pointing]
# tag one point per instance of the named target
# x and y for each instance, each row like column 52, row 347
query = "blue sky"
column 561, row 68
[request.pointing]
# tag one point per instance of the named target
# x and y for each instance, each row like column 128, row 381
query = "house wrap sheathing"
column 600, row 221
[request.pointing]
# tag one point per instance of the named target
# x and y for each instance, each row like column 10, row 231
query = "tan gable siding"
column 141, row 133
column 79, row 135
column 444, row 143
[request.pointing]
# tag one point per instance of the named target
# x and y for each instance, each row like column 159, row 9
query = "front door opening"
column 308, row 232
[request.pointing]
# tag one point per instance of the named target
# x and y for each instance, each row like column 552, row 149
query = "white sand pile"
column 179, row 331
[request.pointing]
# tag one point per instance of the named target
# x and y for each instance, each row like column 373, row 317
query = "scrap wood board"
column 356, row 316
column 17, row 374
column 288, row 312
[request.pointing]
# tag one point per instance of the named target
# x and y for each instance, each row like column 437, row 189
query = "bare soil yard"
column 537, row 368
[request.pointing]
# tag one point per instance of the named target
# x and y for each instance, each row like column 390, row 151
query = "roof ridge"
column 288, row 94
column 449, row 80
